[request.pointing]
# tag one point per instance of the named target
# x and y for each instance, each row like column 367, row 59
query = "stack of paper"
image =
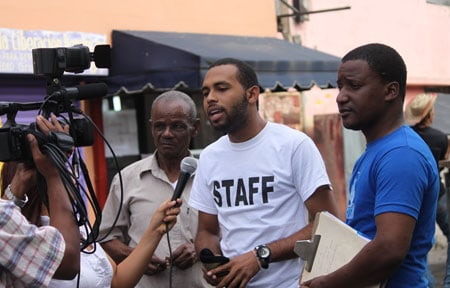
column 333, row 245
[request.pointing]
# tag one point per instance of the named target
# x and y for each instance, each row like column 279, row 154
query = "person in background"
column 29, row 255
column 419, row 114
column 146, row 184
column 97, row 269
column 256, row 187
column 444, row 203
column 394, row 185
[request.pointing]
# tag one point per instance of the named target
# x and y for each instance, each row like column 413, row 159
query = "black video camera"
column 15, row 147
column 52, row 63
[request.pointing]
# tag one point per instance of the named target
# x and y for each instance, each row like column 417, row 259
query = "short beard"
column 237, row 117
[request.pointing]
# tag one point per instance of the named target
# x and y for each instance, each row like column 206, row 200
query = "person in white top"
column 98, row 269
column 256, row 187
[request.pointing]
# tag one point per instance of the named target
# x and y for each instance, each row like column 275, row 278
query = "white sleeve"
column 308, row 168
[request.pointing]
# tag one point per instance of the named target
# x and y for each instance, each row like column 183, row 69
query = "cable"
column 93, row 235
column 170, row 256
column 76, row 191
column 118, row 173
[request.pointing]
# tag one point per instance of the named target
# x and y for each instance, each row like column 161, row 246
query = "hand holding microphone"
column 187, row 166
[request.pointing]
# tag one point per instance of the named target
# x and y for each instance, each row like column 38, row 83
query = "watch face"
column 263, row 252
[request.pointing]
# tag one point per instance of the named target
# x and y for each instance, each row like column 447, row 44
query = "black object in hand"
column 211, row 261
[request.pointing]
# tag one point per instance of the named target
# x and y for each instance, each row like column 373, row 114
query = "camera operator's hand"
column 43, row 163
column 60, row 207
column 55, row 126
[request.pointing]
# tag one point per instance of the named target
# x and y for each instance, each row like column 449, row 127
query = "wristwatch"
column 12, row 197
column 263, row 253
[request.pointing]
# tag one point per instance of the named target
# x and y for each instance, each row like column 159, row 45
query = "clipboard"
column 333, row 245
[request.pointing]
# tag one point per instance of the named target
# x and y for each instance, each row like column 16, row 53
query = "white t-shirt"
column 257, row 190
column 95, row 268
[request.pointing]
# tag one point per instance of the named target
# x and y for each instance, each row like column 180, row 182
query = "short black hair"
column 246, row 75
column 383, row 60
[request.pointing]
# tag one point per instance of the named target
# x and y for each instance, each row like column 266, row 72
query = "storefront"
column 146, row 63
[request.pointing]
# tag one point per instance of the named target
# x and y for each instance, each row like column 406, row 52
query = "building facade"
column 31, row 25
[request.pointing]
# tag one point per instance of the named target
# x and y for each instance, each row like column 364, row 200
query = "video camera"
column 52, row 63
column 55, row 61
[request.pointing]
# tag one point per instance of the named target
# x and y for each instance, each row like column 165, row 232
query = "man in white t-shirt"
column 255, row 187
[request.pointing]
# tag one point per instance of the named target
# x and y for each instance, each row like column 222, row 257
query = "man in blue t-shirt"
column 394, row 184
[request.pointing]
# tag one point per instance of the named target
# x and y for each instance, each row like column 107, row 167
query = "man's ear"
column 392, row 91
column 196, row 127
column 252, row 94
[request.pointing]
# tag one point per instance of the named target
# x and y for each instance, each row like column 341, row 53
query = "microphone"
column 82, row 92
column 187, row 166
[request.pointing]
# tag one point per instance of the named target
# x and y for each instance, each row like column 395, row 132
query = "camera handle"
column 11, row 117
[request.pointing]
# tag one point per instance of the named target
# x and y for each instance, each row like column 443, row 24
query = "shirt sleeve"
column 309, row 168
column 30, row 254
column 395, row 190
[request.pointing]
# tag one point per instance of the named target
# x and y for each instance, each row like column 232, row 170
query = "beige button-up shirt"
column 145, row 187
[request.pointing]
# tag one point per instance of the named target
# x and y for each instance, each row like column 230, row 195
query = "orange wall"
column 236, row 17
column 233, row 17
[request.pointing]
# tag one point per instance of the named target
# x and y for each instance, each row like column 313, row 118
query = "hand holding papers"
column 333, row 245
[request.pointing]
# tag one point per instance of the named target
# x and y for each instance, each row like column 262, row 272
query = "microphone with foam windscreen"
column 187, row 167
column 83, row 92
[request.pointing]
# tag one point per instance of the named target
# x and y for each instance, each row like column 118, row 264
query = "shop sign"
column 16, row 47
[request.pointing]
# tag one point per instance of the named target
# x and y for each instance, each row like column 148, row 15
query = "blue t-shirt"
column 397, row 173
